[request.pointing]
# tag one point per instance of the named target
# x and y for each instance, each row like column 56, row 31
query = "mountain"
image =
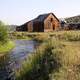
column 74, row 19
column 12, row 28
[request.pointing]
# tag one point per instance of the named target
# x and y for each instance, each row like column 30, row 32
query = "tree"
column 3, row 32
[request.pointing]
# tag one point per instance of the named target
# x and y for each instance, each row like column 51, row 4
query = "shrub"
column 3, row 33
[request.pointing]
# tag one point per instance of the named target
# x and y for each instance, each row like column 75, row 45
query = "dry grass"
column 62, row 35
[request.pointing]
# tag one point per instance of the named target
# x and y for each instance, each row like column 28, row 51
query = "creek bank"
column 5, row 48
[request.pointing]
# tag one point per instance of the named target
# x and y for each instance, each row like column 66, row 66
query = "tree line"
column 75, row 19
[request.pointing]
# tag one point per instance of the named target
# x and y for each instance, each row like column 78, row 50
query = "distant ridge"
column 74, row 19
column 12, row 28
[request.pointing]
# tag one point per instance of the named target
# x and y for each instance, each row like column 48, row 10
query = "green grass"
column 23, row 38
column 19, row 35
column 6, row 47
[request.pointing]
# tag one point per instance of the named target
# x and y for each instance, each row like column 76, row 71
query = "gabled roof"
column 43, row 17
column 40, row 18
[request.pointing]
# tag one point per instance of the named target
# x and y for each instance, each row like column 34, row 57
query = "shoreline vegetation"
column 58, row 57
column 6, row 47
column 72, row 35
column 5, row 43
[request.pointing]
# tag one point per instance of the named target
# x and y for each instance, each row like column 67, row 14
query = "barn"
column 43, row 23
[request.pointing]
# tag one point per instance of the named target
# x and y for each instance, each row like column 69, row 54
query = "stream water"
column 15, row 58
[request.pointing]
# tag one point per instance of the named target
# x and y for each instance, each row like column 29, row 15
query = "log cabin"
column 43, row 23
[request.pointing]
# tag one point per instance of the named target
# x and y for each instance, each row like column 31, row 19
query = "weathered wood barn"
column 43, row 23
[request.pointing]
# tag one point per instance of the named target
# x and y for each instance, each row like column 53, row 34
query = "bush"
column 3, row 33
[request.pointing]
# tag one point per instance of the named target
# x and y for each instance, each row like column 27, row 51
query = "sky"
column 18, row 12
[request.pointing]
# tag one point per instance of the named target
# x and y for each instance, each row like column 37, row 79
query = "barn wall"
column 51, row 23
column 24, row 27
column 30, row 26
column 41, row 26
column 36, row 26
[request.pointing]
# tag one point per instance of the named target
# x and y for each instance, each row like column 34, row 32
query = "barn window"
column 51, row 19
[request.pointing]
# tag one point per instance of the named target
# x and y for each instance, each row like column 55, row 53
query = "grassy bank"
column 6, row 47
column 19, row 35
column 41, row 36
column 58, row 58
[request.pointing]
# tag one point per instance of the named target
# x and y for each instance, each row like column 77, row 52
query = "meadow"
column 57, row 58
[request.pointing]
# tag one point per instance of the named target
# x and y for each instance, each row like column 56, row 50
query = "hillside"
column 74, row 19
column 12, row 27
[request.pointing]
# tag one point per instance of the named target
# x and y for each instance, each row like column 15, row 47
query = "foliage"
column 3, row 32
column 6, row 47
column 75, row 19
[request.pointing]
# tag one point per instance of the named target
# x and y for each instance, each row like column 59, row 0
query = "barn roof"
column 42, row 17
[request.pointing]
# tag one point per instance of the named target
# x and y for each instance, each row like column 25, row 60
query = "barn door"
column 53, row 26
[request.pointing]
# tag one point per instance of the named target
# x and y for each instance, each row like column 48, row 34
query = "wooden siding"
column 51, row 23
column 30, row 26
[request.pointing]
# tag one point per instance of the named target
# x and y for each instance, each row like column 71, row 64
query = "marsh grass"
column 42, row 62
column 56, row 59
column 40, row 36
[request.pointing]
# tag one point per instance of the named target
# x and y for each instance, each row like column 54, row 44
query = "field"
column 62, row 35
column 57, row 58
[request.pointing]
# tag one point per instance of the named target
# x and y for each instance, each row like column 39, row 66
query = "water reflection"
column 11, row 62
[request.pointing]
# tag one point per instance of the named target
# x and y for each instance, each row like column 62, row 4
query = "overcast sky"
column 21, row 11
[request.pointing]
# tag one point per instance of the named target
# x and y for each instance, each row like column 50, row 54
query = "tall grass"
column 59, row 61
column 70, row 36
column 56, row 59
column 3, row 33
column 62, row 35
column 40, row 64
